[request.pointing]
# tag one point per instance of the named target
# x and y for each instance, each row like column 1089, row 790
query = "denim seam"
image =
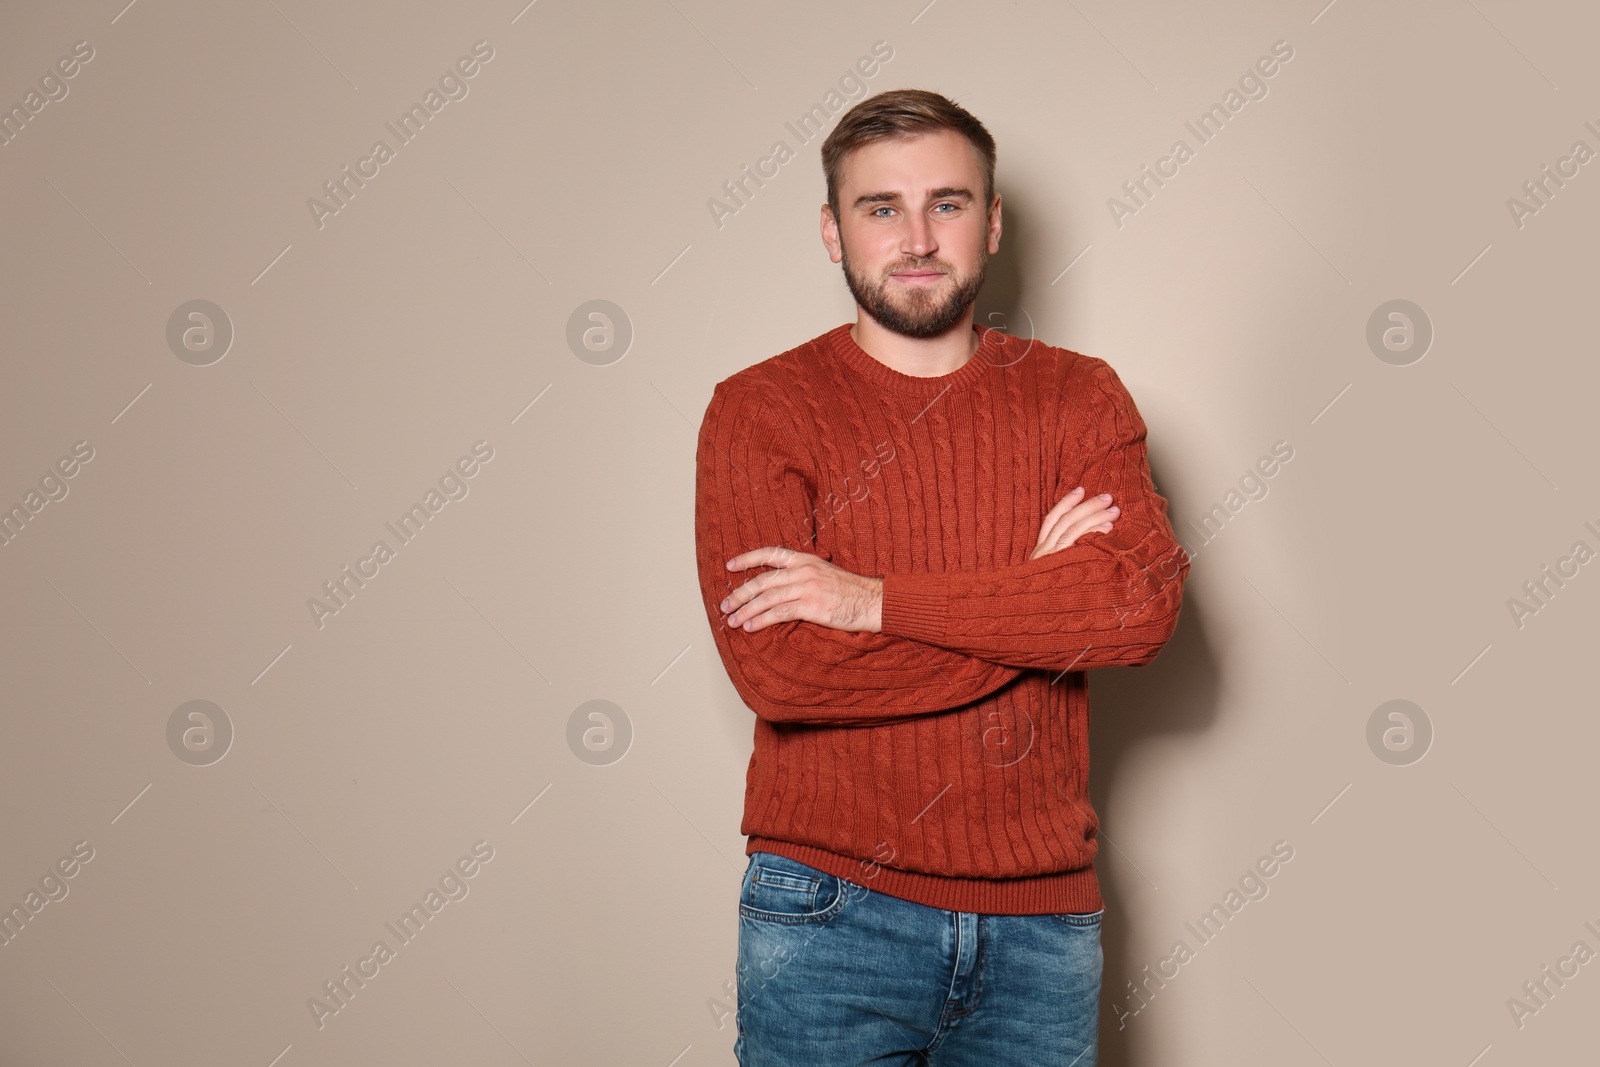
column 785, row 880
column 1080, row 919
column 798, row 918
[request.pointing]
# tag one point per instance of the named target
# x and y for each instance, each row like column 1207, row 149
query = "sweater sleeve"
column 1109, row 599
column 754, row 487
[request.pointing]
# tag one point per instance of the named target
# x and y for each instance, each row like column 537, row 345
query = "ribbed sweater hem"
column 1046, row 894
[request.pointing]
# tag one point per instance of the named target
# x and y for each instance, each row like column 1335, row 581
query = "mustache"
column 902, row 268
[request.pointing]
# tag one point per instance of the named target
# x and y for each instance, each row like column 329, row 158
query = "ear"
column 830, row 234
column 994, row 225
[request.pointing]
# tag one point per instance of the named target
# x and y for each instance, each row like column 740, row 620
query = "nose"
column 918, row 239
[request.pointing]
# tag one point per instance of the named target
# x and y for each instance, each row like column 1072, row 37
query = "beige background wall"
column 435, row 710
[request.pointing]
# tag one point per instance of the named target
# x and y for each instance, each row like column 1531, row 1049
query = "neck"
column 920, row 357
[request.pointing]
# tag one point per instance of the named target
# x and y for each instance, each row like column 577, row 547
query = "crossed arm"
column 804, row 586
column 914, row 643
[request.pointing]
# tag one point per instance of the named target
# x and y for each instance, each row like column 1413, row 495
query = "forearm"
column 749, row 492
column 802, row 672
column 1081, row 607
column 1109, row 599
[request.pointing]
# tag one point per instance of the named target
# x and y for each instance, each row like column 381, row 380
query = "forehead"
column 911, row 166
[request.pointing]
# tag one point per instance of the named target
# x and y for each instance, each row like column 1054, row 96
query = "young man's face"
column 913, row 234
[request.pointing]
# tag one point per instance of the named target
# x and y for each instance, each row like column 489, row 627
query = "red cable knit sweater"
column 944, row 760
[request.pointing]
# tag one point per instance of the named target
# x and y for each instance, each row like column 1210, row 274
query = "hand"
column 1069, row 520
column 805, row 587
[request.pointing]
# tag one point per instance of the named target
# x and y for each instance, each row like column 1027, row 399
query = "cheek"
column 871, row 247
column 967, row 248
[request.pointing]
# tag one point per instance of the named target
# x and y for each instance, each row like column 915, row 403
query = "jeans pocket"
column 778, row 889
column 1080, row 918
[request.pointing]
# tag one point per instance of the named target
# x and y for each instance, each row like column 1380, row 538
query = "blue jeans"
column 834, row 974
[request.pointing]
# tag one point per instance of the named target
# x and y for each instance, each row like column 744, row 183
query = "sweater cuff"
column 916, row 606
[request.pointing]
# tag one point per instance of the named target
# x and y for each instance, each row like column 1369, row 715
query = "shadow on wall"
column 1177, row 693
column 1000, row 304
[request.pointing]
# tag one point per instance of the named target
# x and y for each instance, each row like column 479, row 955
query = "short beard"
column 921, row 317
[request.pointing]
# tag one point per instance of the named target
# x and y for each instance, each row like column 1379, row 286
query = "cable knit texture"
column 944, row 760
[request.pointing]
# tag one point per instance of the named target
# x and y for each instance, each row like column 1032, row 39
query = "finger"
column 766, row 556
column 753, row 558
column 1078, row 532
column 747, row 592
column 1063, row 504
column 762, row 593
column 1097, row 509
column 757, row 622
column 762, row 611
column 1068, row 532
column 1072, row 507
column 1093, row 524
column 1068, row 500
column 1056, row 513
column 1077, row 519
column 1089, row 507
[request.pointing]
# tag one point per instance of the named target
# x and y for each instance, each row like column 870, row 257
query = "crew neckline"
column 844, row 346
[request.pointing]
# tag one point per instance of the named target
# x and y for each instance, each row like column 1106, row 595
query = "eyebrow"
column 941, row 193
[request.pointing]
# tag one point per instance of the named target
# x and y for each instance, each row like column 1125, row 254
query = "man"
column 913, row 538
